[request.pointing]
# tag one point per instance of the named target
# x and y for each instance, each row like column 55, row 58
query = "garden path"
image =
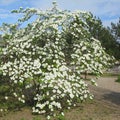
column 107, row 91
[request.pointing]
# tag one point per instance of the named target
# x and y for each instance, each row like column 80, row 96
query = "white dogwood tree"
column 44, row 60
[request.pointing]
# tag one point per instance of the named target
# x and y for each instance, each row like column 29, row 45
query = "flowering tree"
column 44, row 60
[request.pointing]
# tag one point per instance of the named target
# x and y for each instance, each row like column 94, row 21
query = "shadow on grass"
column 113, row 97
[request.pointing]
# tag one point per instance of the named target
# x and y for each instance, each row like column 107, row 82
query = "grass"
column 118, row 79
column 110, row 74
column 90, row 110
column 105, row 74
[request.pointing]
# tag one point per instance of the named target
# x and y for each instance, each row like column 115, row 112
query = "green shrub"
column 118, row 79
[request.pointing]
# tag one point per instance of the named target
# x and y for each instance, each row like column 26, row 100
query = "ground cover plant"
column 118, row 79
column 43, row 61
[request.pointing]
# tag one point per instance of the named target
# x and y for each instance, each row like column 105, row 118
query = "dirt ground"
column 105, row 106
column 109, row 83
column 107, row 91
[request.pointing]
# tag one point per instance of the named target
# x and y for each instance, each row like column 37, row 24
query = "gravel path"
column 107, row 91
column 109, row 83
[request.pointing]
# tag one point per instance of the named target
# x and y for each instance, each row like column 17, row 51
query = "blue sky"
column 107, row 10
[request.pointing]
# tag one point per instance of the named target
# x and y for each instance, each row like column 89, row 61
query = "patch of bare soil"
column 109, row 83
column 108, row 91
column 105, row 106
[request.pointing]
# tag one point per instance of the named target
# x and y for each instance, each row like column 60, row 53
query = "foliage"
column 61, row 117
column 115, row 29
column 35, row 61
column 105, row 36
column 118, row 79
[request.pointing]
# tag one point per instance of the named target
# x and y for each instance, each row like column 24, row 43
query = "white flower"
column 81, row 97
column 6, row 97
column 23, row 96
column 47, row 93
column 62, row 113
column 43, row 111
column 48, row 117
column 51, row 109
column 54, row 91
column 23, row 101
column 33, row 109
column 71, row 95
column 37, row 63
column 52, row 98
column 68, row 108
column 91, row 97
column 85, row 95
column 15, row 94
column 50, row 106
column 15, row 81
column 1, row 110
column 19, row 99
column 74, row 105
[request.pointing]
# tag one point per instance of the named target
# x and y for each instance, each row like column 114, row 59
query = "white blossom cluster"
column 93, row 58
column 34, row 59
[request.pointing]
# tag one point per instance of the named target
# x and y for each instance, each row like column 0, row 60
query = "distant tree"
column 105, row 36
column 115, row 29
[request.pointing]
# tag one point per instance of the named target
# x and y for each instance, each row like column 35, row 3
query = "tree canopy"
column 107, row 36
column 43, row 61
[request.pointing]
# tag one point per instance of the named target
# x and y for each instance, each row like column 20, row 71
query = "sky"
column 107, row 10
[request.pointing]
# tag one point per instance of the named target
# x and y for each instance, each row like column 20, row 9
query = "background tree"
column 115, row 29
column 105, row 36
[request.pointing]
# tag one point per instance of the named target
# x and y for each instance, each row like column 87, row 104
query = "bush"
column 34, row 60
column 118, row 79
